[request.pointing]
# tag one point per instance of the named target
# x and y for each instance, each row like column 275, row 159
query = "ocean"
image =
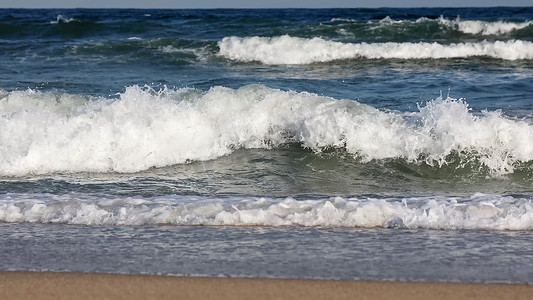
column 367, row 144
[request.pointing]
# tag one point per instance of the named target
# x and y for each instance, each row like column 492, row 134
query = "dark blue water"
column 96, row 52
column 317, row 124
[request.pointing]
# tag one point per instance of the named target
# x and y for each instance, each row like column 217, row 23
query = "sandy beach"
column 48, row 285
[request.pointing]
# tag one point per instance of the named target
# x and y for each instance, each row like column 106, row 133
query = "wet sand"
column 48, row 285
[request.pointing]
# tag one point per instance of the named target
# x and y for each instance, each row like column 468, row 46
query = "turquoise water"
column 314, row 124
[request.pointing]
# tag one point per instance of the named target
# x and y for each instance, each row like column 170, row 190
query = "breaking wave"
column 293, row 50
column 484, row 28
column 61, row 19
column 45, row 132
column 473, row 27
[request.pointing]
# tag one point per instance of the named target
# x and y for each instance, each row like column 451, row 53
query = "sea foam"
column 490, row 212
column 61, row 19
column 293, row 50
column 53, row 132
column 484, row 28
column 474, row 27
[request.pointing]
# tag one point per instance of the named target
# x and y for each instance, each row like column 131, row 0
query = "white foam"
column 62, row 19
column 482, row 27
column 475, row 27
column 50, row 132
column 488, row 212
column 385, row 20
column 293, row 50
column 389, row 20
column 344, row 20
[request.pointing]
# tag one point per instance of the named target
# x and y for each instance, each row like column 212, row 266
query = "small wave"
column 61, row 19
column 292, row 50
column 482, row 27
column 53, row 132
column 199, row 54
column 477, row 27
column 135, row 48
column 473, row 27
column 333, row 20
column 387, row 19
column 486, row 212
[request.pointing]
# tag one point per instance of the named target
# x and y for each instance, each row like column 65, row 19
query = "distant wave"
column 55, row 132
column 488, row 212
column 293, row 50
column 484, row 28
column 475, row 27
column 134, row 49
column 61, row 19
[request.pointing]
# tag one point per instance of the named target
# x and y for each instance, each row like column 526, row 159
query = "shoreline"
column 52, row 285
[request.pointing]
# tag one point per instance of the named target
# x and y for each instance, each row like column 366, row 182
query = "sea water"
column 384, row 144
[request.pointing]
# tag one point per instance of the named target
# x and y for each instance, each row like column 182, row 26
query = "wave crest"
column 473, row 27
column 477, row 27
column 293, row 50
column 144, row 128
column 62, row 20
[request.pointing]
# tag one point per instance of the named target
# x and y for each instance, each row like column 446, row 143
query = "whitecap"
column 54, row 132
column 293, row 50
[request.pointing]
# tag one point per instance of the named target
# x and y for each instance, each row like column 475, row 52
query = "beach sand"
column 48, row 285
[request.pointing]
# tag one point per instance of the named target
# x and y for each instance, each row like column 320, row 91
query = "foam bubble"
column 488, row 212
column 293, row 50
column 143, row 128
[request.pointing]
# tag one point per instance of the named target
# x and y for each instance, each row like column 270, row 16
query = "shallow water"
column 270, row 252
